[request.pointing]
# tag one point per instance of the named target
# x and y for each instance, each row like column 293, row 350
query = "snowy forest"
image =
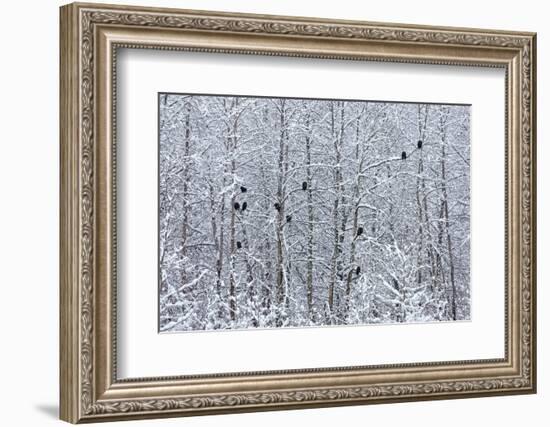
column 280, row 212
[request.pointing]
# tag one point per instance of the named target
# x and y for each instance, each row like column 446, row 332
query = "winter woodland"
column 277, row 212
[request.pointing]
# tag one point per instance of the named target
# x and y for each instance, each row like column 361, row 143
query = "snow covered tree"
column 278, row 212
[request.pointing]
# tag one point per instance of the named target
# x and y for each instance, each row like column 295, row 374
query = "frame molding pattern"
column 88, row 17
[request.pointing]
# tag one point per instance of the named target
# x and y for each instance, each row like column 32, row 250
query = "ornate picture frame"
column 91, row 34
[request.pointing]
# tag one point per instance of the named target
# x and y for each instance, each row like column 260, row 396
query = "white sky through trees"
column 278, row 212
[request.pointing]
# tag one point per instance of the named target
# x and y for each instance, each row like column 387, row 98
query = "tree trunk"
column 310, row 216
column 281, row 285
column 232, row 143
column 336, row 275
column 185, row 197
column 445, row 209
column 357, row 201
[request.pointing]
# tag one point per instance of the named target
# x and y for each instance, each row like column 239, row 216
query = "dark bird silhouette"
column 359, row 231
column 358, row 270
column 243, row 189
column 288, row 218
column 239, row 245
column 419, row 143
column 395, row 284
column 277, row 206
column 403, row 156
column 236, row 206
column 304, row 186
column 243, row 208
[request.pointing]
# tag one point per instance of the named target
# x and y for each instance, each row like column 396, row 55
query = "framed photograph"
column 266, row 212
